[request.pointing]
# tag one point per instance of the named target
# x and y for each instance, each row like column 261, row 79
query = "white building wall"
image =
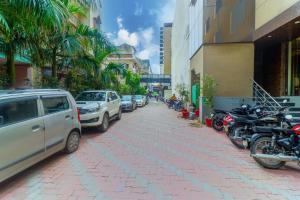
column 180, row 45
column 196, row 27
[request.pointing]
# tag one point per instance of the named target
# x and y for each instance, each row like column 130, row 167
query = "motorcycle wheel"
column 260, row 146
column 236, row 137
column 217, row 124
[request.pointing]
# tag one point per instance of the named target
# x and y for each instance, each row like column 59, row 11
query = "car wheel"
column 72, row 143
column 105, row 123
column 132, row 108
column 119, row 114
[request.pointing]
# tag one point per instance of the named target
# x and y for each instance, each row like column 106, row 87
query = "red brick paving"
column 151, row 154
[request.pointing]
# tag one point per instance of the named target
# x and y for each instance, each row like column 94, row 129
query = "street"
column 153, row 154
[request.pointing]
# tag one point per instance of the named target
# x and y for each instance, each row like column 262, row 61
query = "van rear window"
column 55, row 104
column 17, row 110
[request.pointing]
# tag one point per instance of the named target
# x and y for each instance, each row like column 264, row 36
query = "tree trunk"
column 10, row 66
column 54, row 63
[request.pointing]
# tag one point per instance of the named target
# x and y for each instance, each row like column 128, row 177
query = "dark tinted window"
column 91, row 96
column 55, row 104
column 114, row 96
column 14, row 111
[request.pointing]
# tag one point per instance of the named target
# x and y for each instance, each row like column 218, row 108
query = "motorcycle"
column 241, row 127
column 218, row 116
column 273, row 147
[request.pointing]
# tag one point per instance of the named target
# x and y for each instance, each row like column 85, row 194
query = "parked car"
column 146, row 99
column 140, row 101
column 128, row 103
column 35, row 124
column 97, row 108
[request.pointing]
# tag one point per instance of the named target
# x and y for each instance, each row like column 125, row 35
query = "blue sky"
column 137, row 23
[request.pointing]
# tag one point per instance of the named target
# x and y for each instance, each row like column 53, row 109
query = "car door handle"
column 68, row 117
column 36, row 128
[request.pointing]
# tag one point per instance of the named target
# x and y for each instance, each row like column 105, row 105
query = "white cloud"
column 138, row 9
column 123, row 35
column 120, row 22
column 142, row 40
column 149, row 48
column 164, row 13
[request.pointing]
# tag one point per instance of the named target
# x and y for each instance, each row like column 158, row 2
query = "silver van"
column 35, row 124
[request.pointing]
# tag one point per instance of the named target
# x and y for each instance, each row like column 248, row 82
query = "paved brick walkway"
column 151, row 154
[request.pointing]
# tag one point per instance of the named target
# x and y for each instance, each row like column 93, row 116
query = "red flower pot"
column 208, row 122
column 185, row 114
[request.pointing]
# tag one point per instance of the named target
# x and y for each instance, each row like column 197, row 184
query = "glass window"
column 55, row 104
column 114, row 96
column 91, row 96
column 15, row 111
column 109, row 96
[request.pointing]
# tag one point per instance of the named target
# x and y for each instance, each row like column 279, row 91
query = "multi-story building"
column 221, row 44
column 165, row 48
column 145, row 67
column 277, row 46
column 126, row 55
column 238, row 41
column 93, row 17
column 180, row 61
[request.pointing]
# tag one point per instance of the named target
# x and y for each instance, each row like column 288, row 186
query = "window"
column 14, row 111
column 114, row 96
column 91, row 96
column 109, row 96
column 55, row 104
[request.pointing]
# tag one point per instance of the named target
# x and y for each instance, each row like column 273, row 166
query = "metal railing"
column 263, row 98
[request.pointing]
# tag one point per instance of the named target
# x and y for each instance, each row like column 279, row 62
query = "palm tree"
column 15, row 30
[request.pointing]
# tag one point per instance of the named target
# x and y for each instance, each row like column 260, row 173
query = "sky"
column 137, row 22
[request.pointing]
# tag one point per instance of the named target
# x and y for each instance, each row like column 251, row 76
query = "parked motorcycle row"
column 177, row 105
column 272, row 137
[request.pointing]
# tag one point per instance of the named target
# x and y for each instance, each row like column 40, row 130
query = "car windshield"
column 126, row 98
column 138, row 97
column 91, row 96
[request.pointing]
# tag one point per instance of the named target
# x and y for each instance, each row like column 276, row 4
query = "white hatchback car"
column 35, row 124
column 97, row 108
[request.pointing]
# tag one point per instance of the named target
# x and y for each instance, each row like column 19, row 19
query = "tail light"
column 227, row 120
column 78, row 115
column 296, row 129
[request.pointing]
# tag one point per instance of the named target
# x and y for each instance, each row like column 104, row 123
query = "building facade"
column 93, row 17
column 238, row 42
column 180, row 62
column 277, row 46
column 214, row 37
column 165, row 48
column 126, row 55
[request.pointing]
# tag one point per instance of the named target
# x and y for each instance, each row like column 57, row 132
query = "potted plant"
column 184, row 96
column 208, row 89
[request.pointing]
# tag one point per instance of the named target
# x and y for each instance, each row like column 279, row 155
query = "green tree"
column 17, row 20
